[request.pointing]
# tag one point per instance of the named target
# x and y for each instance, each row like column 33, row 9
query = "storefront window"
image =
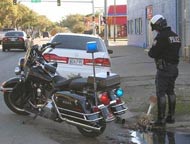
column 138, row 26
column 130, row 27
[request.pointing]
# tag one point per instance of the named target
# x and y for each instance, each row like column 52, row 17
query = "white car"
column 73, row 58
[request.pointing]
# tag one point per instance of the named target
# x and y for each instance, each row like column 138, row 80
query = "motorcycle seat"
column 78, row 84
column 62, row 82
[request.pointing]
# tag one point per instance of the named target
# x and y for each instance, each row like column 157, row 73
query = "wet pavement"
column 160, row 137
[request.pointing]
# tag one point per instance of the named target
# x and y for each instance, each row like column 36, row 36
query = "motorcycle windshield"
column 47, row 50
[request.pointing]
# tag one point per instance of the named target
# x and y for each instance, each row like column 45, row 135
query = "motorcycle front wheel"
column 13, row 102
column 90, row 133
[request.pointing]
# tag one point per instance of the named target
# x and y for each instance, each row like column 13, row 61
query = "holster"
column 161, row 64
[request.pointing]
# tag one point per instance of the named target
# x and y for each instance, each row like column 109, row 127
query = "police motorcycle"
column 87, row 103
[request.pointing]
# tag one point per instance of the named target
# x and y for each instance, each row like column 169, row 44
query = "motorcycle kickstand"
column 29, row 120
column 35, row 116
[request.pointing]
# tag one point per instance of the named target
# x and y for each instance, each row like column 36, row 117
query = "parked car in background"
column 15, row 40
column 3, row 31
column 72, row 57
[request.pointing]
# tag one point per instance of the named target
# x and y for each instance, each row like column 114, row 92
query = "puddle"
column 160, row 137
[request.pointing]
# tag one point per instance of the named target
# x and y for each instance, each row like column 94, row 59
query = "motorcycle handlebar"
column 39, row 50
column 51, row 44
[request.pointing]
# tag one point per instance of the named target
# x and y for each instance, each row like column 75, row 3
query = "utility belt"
column 161, row 64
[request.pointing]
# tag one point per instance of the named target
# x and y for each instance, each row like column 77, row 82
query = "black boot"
column 171, row 109
column 161, row 104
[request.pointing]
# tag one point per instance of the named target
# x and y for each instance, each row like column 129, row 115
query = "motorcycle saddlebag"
column 73, row 106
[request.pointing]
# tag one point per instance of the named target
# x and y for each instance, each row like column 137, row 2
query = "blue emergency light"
column 91, row 47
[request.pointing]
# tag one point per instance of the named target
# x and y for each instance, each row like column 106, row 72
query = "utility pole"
column 114, row 26
column 183, row 21
column 188, row 22
column 93, row 18
column 105, row 25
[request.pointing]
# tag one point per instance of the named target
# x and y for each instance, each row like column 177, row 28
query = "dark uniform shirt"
column 166, row 46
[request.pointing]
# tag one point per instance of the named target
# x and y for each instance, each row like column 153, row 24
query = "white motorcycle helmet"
column 158, row 22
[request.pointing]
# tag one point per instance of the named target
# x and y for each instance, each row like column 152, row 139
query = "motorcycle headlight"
column 21, row 62
column 119, row 92
column 17, row 70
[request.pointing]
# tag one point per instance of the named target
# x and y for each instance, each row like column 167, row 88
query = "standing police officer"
column 165, row 51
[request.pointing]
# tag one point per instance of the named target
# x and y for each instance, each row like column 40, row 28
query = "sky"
column 56, row 13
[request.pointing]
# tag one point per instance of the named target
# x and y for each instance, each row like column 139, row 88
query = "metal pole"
column 114, row 27
column 183, row 26
column 94, row 79
column 105, row 25
column 93, row 15
column 188, row 22
column 99, row 24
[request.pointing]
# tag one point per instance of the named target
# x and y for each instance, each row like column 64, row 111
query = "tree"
column 75, row 23
column 8, row 13
column 20, row 16
column 78, row 28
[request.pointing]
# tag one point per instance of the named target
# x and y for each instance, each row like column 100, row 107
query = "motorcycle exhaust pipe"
column 48, row 114
column 78, row 124
column 81, row 124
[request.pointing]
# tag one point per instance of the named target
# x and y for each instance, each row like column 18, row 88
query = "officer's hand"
column 146, row 50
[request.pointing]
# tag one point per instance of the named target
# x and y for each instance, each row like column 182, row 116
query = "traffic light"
column 14, row 2
column 58, row 2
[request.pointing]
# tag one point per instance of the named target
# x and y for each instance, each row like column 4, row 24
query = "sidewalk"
column 137, row 73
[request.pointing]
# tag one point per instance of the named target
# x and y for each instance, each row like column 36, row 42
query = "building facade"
column 140, row 12
column 117, row 21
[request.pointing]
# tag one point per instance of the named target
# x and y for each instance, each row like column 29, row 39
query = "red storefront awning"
column 117, row 14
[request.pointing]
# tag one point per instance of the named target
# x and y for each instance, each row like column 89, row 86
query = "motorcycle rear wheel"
column 12, row 105
column 90, row 133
